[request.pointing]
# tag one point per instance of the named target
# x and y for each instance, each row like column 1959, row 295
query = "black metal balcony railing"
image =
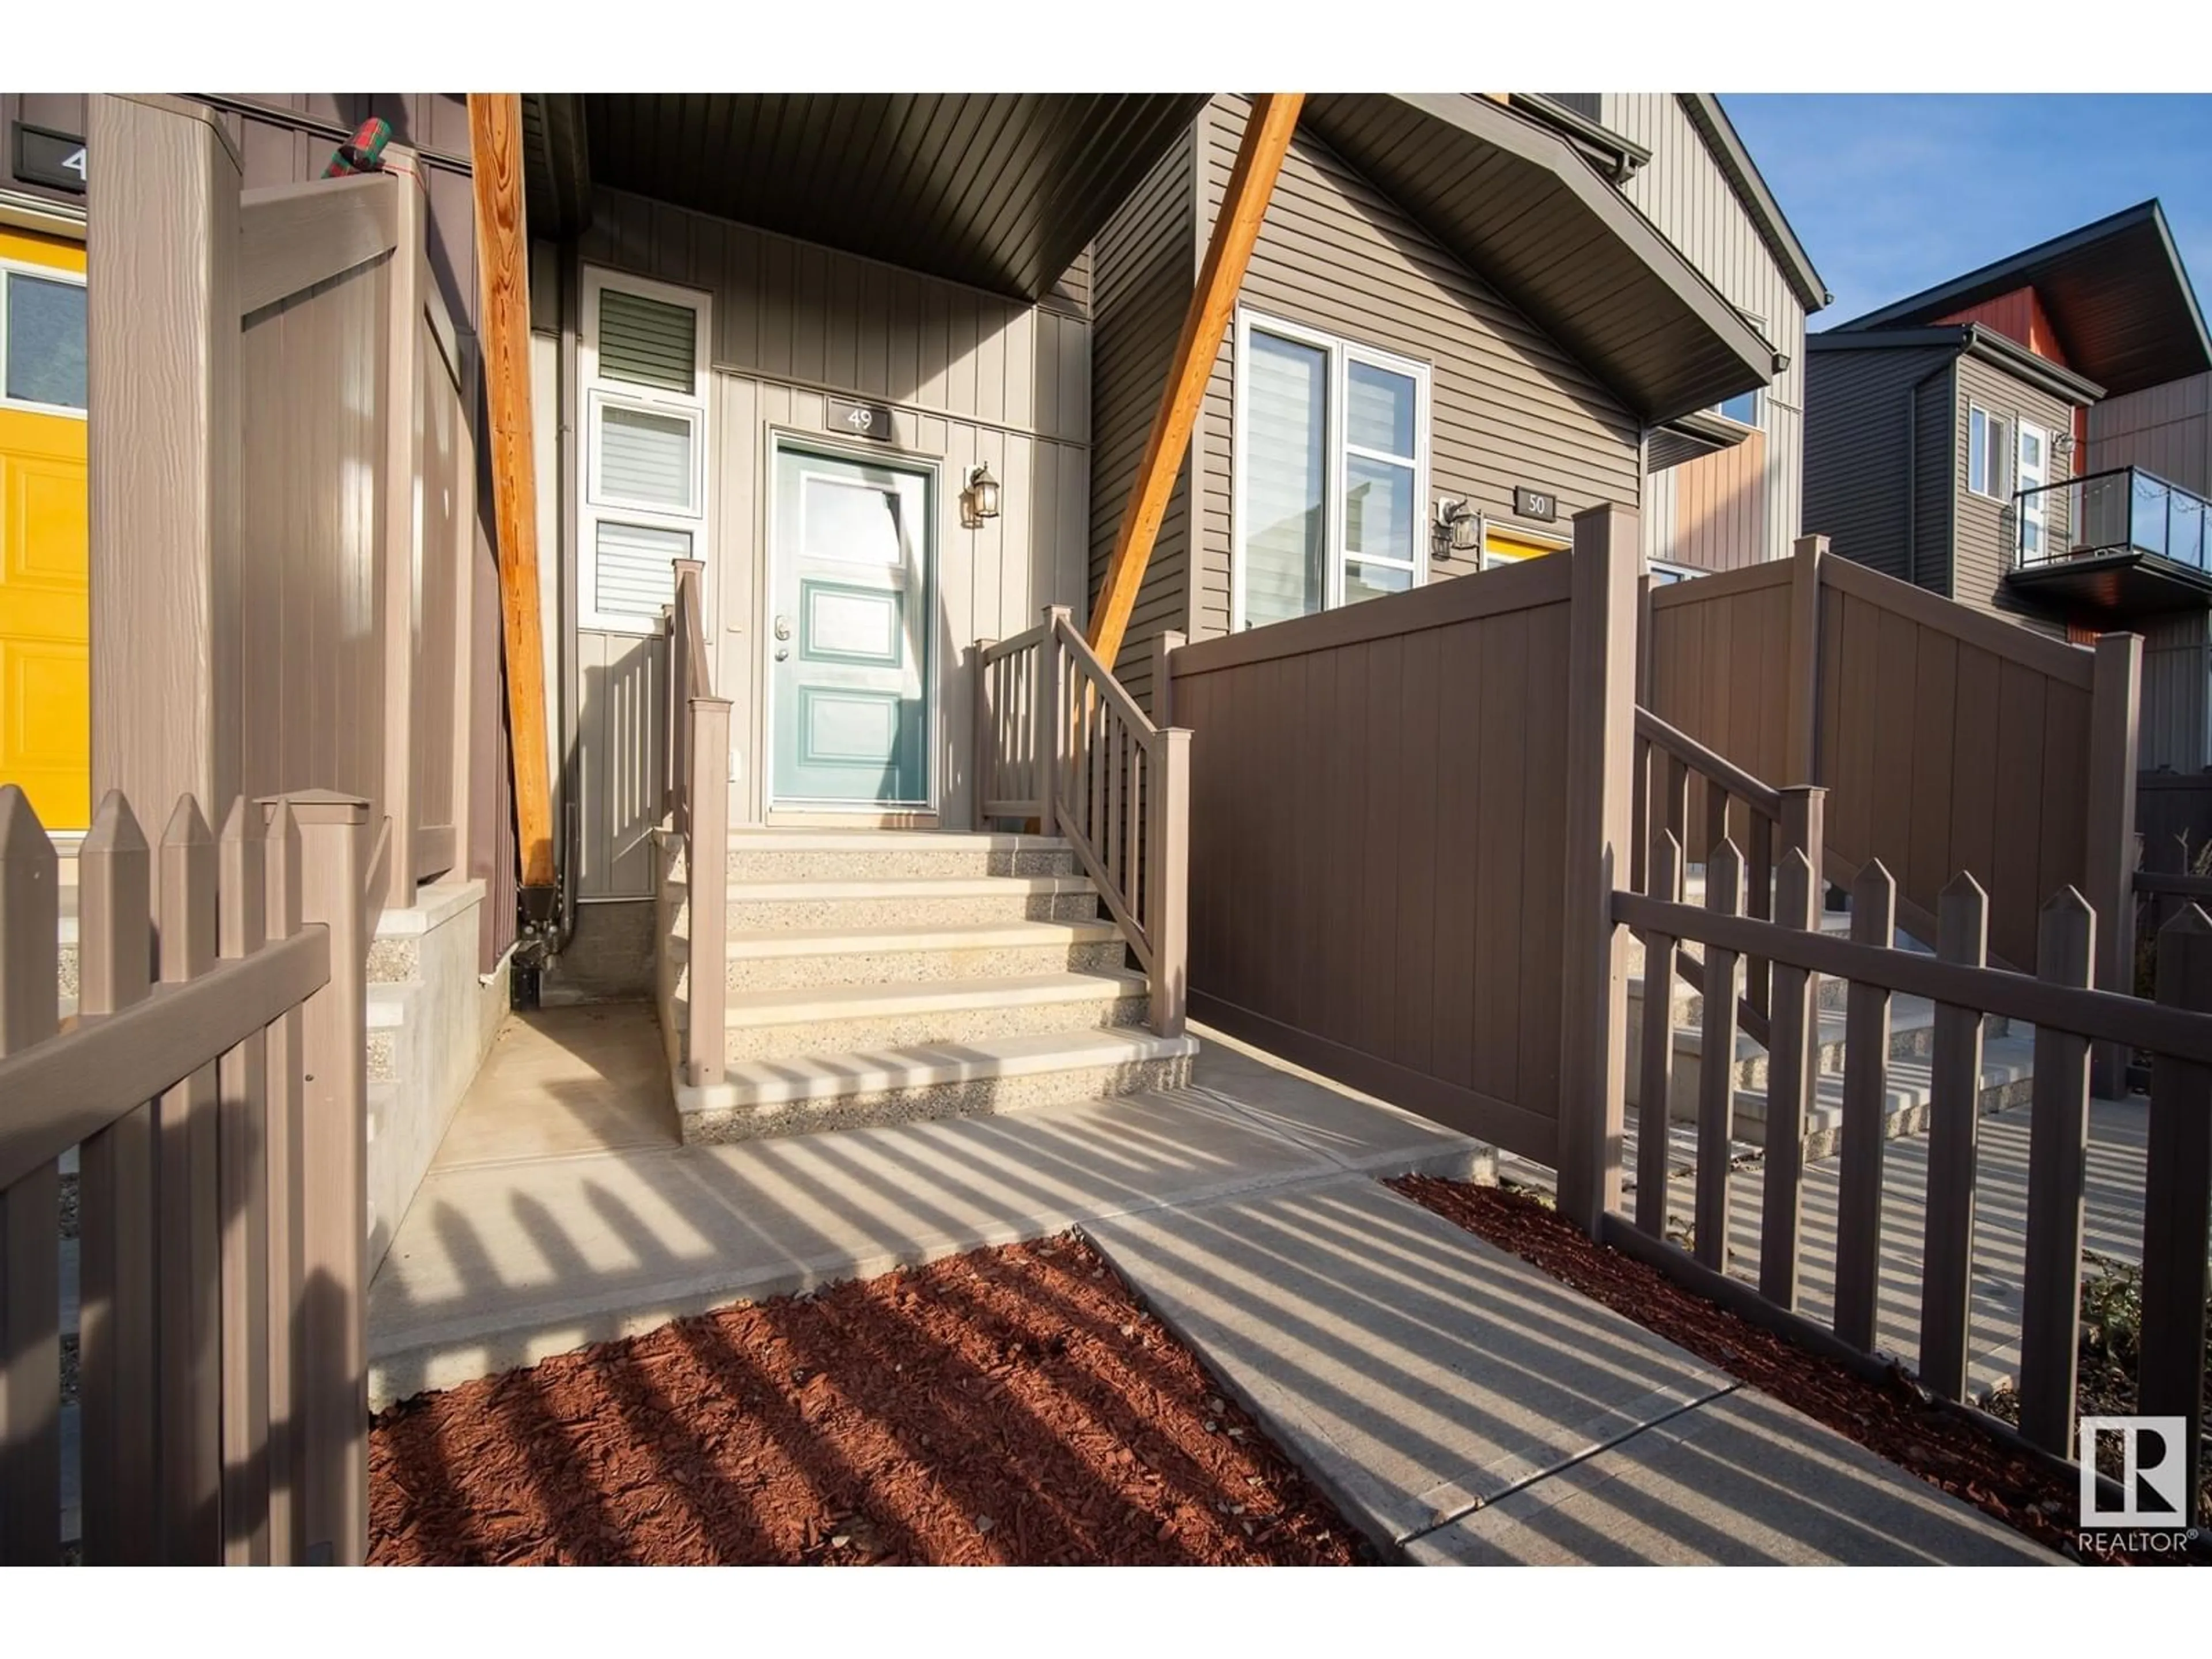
column 2126, row 510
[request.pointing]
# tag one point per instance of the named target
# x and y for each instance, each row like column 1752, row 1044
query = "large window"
column 1989, row 454
column 643, row 365
column 42, row 340
column 1331, row 447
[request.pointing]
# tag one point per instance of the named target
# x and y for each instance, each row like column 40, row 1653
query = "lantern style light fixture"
column 980, row 500
column 1458, row 528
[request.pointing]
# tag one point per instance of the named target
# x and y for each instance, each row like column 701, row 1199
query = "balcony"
column 2125, row 543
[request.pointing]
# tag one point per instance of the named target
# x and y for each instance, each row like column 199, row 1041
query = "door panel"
column 849, row 648
column 46, row 724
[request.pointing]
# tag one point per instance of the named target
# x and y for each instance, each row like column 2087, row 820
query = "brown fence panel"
column 1379, row 807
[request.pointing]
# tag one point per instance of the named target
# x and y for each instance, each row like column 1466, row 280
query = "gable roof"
column 2116, row 292
column 1976, row 340
column 1524, row 208
column 1743, row 175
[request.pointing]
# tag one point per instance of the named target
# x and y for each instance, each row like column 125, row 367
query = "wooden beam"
column 1268, row 133
column 503, row 283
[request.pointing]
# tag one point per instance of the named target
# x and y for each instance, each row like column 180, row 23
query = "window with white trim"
column 1330, row 471
column 1989, row 454
column 1743, row 408
column 642, row 365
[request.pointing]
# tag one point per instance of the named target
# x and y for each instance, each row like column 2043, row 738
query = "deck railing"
column 1059, row 740
column 211, row 1083
column 2125, row 510
column 698, row 813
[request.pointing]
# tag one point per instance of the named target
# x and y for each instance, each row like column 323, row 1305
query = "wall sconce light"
column 1458, row 528
column 980, row 500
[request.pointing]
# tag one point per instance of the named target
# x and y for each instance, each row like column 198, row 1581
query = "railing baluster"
column 1793, row 1061
column 242, row 1082
column 116, row 1196
column 1716, row 813
column 1759, row 901
column 2178, row 1204
column 1717, row 1062
column 1962, row 929
column 2057, row 1159
column 984, row 768
column 30, row 1210
column 1866, row 1088
column 1671, row 816
column 1655, row 1079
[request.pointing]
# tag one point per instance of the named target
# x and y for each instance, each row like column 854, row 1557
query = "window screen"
column 648, row 342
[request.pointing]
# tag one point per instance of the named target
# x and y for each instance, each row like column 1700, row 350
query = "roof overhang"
column 1727, row 149
column 1000, row 190
column 2116, row 292
column 1972, row 340
column 1524, row 208
column 1690, row 436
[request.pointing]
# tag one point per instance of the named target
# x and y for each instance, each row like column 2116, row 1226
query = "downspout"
column 1912, row 468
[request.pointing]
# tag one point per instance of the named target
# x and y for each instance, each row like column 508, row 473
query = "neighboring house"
column 2004, row 439
column 1404, row 355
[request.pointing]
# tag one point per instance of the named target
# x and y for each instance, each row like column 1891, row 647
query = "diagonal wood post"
column 1266, row 140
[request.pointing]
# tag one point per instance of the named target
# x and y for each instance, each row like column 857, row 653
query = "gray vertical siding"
column 1508, row 406
column 1144, row 264
column 971, row 377
column 2177, row 673
column 1683, row 191
column 1981, row 540
column 2165, row 430
column 1857, row 470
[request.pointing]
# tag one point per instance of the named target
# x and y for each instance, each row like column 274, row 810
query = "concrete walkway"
column 1459, row 1404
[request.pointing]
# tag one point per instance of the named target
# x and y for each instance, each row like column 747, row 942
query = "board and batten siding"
column 1508, row 405
column 1686, row 196
column 1867, row 412
column 1984, row 528
column 1144, row 262
column 2165, row 430
column 970, row 376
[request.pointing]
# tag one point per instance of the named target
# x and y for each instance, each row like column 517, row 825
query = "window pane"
column 1285, row 488
column 648, row 342
column 1379, row 409
column 1378, row 508
column 851, row 523
column 1372, row 582
column 45, row 341
column 1743, row 407
column 645, row 456
column 1978, row 451
column 2000, row 457
column 631, row 567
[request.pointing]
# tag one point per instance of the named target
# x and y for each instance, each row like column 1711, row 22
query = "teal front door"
column 848, row 642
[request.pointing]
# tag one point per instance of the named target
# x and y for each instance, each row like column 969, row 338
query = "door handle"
column 783, row 628
column 782, row 653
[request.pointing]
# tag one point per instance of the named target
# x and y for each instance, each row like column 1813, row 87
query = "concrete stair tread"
column 2005, row 1061
column 847, row 841
column 902, row 887
column 818, row 1076
column 780, row 1005
column 926, row 936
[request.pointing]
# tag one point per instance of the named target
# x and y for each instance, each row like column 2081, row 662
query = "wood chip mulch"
column 1015, row 1405
column 1897, row 1420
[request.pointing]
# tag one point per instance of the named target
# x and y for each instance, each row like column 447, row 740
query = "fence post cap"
column 316, row 806
column 114, row 829
column 20, row 829
column 1963, row 885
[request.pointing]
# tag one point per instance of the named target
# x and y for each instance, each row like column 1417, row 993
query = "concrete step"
column 798, row 1095
column 838, row 1019
column 786, row 855
column 788, row 958
column 2007, row 1081
column 901, row 901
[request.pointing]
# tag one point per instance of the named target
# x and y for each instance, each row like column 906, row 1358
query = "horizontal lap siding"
column 1377, row 890
column 1983, row 540
column 1144, row 264
column 972, row 378
column 1857, row 470
column 1686, row 196
column 1508, row 406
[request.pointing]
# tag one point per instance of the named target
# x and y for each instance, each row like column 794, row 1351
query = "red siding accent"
column 2018, row 316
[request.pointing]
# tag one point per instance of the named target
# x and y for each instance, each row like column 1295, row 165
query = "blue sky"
column 1893, row 193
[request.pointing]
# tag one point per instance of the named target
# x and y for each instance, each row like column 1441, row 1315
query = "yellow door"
column 46, row 724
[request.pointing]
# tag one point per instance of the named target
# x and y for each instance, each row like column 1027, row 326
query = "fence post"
column 2057, row 1161
column 1165, row 644
column 982, row 770
column 163, row 397
column 1793, row 1045
column 1599, row 753
column 2178, row 1204
column 334, row 1189
column 707, row 877
column 400, row 556
column 2109, row 849
column 30, row 1272
column 1053, row 716
column 1800, row 736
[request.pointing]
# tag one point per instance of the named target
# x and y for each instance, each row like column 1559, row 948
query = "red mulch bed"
column 1014, row 1406
column 1897, row 1420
